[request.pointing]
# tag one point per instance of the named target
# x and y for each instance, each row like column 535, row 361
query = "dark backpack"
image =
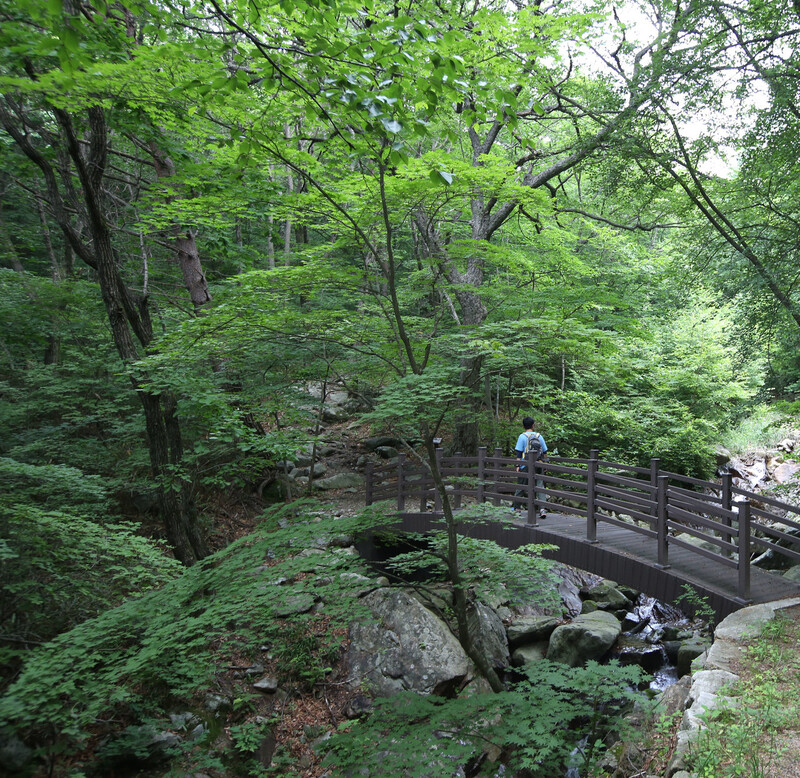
column 535, row 446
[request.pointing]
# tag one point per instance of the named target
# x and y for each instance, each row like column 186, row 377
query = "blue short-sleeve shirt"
column 522, row 443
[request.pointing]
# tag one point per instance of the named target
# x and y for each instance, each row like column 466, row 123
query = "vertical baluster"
column 726, row 496
column 591, row 496
column 663, row 547
column 437, row 498
column 655, row 466
column 496, row 465
column 481, row 472
column 460, row 471
column 532, row 512
column 744, row 550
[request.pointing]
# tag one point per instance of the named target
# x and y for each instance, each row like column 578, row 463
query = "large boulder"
column 488, row 634
column 589, row 636
column 608, row 597
column 340, row 481
column 530, row 629
column 405, row 647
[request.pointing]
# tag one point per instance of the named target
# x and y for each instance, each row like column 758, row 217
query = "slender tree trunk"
column 186, row 252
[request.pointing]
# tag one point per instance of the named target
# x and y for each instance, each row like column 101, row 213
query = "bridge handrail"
column 663, row 502
column 755, row 497
column 618, row 466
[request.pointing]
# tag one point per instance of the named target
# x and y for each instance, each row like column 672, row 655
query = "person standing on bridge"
column 530, row 442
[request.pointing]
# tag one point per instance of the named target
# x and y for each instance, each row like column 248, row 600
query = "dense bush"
column 632, row 432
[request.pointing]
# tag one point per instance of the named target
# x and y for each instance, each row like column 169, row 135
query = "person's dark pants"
column 522, row 480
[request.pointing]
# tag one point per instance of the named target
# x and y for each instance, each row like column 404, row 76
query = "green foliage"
column 304, row 655
column 165, row 645
column 489, row 570
column 632, row 432
column 53, row 486
column 697, row 604
column 534, row 725
column 58, row 569
column 763, row 427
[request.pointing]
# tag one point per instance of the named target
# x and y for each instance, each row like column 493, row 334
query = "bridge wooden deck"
column 649, row 529
column 627, row 558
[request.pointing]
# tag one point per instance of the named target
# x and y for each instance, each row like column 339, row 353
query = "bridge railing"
column 716, row 521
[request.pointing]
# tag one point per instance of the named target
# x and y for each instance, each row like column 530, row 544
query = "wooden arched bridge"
column 643, row 527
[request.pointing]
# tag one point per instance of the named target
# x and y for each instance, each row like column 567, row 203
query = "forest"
column 215, row 213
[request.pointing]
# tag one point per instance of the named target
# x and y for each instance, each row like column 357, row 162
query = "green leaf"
column 441, row 177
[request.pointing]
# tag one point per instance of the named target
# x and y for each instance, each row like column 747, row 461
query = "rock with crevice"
column 404, row 647
column 488, row 634
column 530, row 629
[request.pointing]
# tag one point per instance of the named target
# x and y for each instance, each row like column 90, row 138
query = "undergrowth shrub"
column 58, row 569
column 632, row 431
column 532, row 726
column 133, row 661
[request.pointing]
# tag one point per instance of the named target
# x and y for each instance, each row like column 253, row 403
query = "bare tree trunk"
column 186, row 252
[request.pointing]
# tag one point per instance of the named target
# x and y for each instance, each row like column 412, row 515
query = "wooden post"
column 591, row 495
column 460, row 471
column 437, row 498
column 655, row 466
column 726, row 496
column 401, row 495
column 744, row 551
column 661, row 524
column 532, row 512
column 368, row 472
column 481, row 471
column 497, row 454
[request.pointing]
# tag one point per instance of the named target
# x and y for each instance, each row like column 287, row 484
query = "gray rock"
column 281, row 489
column 723, row 655
column 721, row 455
column 632, row 650
column 266, row 684
column 381, row 440
column 404, row 647
column 14, row 754
column 674, row 697
column 215, row 703
column 488, row 634
column 706, row 687
column 793, row 573
column 608, row 597
column 570, row 594
column 589, row 636
column 294, row 604
column 785, row 472
column 334, row 413
column 340, row 481
column 748, row 622
column 320, row 468
column 386, row 452
column 689, row 651
column 185, row 721
column 530, row 652
column 530, row 629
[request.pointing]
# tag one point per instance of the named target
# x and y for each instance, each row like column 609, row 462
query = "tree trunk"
column 186, row 252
